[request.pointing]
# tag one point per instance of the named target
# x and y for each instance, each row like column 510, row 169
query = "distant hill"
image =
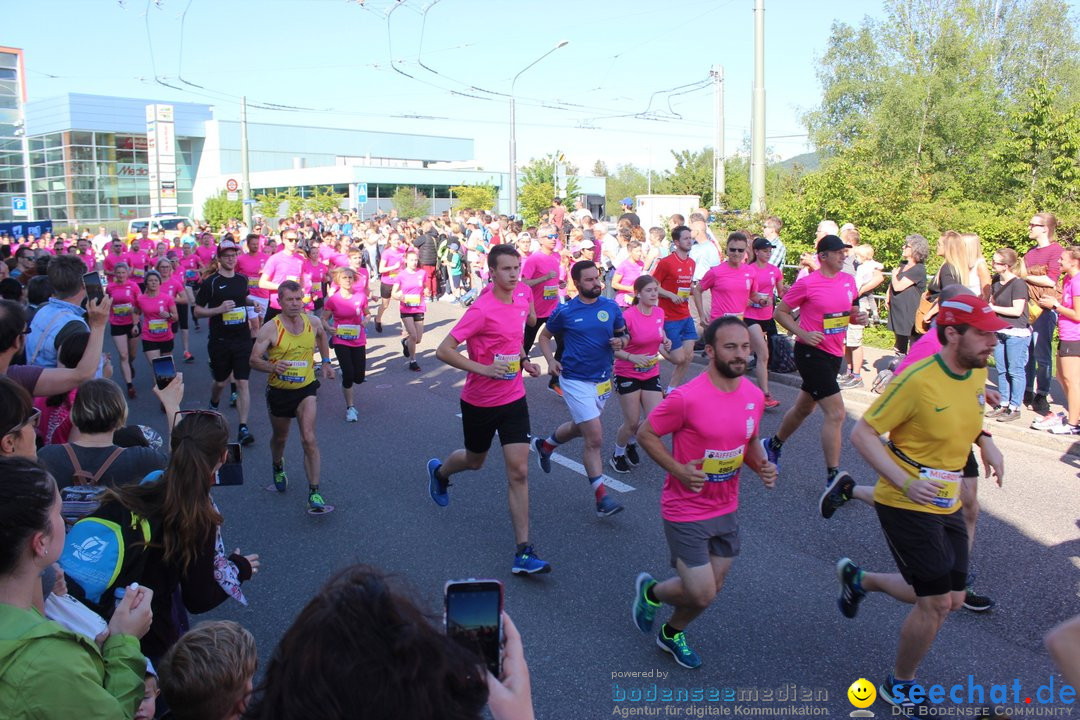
column 808, row 161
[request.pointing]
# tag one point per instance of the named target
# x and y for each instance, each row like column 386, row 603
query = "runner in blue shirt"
column 592, row 329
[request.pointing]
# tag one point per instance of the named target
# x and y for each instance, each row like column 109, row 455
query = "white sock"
column 620, row 450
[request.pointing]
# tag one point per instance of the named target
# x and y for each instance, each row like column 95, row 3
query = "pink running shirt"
column 282, row 266
column 769, row 279
column 629, row 272
column 730, row 287
column 412, row 285
column 156, row 324
column 349, row 314
column 251, row 267
column 1069, row 330
column 491, row 328
column 546, row 294
column 646, row 337
column 825, row 307
column 123, row 307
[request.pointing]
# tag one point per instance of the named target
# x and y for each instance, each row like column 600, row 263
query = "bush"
column 410, row 203
column 217, row 210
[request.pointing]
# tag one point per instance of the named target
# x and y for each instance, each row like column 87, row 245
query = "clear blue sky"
column 337, row 58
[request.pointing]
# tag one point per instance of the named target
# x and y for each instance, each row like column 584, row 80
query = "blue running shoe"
column 850, row 595
column 436, row 488
column 281, row 480
column 527, row 563
column 837, row 492
column 543, row 459
column 898, row 694
column 771, row 455
column 644, row 609
column 607, row 507
column 679, row 650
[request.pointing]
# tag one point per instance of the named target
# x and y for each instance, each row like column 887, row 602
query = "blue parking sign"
column 361, row 192
column 18, row 207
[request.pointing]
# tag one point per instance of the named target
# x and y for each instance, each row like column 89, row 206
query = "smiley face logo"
column 862, row 694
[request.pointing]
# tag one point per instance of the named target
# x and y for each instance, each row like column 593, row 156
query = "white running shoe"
column 350, row 415
column 1049, row 422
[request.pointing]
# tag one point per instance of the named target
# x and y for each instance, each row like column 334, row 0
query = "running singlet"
column 251, row 267
column 123, row 307
column 411, row 285
column 546, row 294
column 825, row 307
column 587, row 329
column 282, row 266
column 769, row 279
column 156, row 323
column 646, row 337
column 349, row 314
column 492, row 329
column 730, row 287
column 677, row 277
column 705, row 422
column 933, row 416
column 296, row 350
column 629, row 271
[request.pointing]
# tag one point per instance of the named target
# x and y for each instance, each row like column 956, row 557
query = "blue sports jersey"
column 587, row 330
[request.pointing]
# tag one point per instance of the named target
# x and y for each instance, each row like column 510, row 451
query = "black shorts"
column 1068, row 348
column 385, row 290
column 229, row 356
column 971, row 468
column 164, row 346
column 818, row 370
column 118, row 330
column 353, row 364
column 182, row 314
column 626, row 385
column 283, row 403
column 930, row 550
column 768, row 326
column 416, row 317
column 479, row 424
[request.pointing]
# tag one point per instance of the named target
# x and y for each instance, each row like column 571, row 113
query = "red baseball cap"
column 969, row 310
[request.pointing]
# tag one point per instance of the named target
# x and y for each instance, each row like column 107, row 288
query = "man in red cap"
column 932, row 415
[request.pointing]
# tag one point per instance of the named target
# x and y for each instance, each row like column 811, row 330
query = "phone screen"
column 474, row 618
column 164, row 370
column 92, row 283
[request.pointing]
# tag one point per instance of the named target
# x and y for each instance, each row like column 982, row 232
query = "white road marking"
column 577, row 467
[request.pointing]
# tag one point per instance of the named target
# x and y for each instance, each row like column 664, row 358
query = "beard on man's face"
column 731, row 370
column 592, row 292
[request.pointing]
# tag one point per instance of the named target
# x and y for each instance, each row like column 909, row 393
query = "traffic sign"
column 232, row 196
column 231, row 185
column 361, row 192
column 251, row 201
column 18, row 207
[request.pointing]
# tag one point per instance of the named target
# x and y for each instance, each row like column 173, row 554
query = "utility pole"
column 717, row 74
column 245, row 177
column 757, row 128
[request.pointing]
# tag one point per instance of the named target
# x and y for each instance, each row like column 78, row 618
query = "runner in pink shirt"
column 347, row 308
column 493, row 400
column 627, row 272
column 114, row 256
column 637, row 369
column 286, row 264
column 410, row 289
column 188, row 266
column 156, row 311
column 540, row 272
column 391, row 262
column 206, row 251
column 714, row 422
column 138, row 260
column 122, row 321
column 315, row 274
column 732, row 286
column 250, row 264
column 175, row 288
column 827, row 300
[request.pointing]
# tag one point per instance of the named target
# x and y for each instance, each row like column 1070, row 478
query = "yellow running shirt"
column 933, row 416
column 298, row 351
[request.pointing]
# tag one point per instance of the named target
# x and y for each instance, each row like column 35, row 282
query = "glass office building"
column 12, row 97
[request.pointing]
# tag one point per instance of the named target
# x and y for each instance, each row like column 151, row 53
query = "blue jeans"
column 1041, row 353
column 1010, row 357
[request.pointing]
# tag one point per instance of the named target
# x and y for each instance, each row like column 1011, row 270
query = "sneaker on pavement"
column 836, row 494
column 232, row 399
column 414, row 366
column 632, row 455
column 1040, row 405
column 995, row 412
column 851, row 381
column 898, row 693
column 643, row 609
column 1008, row 415
column 770, row 401
column 244, row 436
column 850, row 596
column 543, row 459
column 281, row 480
column 404, row 347
column 315, row 502
column 679, row 650
column 619, row 463
column 607, row 507
column 189, row 358
column 1065, row 429
column 437, row 489
column 977, row 603
column 1047, row 421
column 351, row 415
column 773, row 456
column 527, row 563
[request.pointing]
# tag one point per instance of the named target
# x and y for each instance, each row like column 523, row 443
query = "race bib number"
column 192, row 274
column 413, row 300
column 347, row 332
column 722, row 465
column 551, row 292
column 157, row 327
column 139, row 272
column 296, row 371
column 835, row 323
column 513, row 365
column 123, row 310
column 603, row 390
column 683, row 292
column 253, row 282
column 648, row 365
column 237, row 316
column 947, row 496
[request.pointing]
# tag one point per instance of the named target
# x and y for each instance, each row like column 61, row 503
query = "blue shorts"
column 679, row 331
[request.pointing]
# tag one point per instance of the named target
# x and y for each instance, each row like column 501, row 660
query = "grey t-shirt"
column 128, row 469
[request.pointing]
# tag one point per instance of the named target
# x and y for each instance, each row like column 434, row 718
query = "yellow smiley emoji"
column 862, row 694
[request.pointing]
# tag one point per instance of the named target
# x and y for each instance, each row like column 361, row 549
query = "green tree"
column 323, row 199
column 475, row 197
column 269, row 204
column 217, row 210
column 542, row 170
column 534, row 199
column 599, row 169
column 410, row 202
column 626, row 181
column 693, row 175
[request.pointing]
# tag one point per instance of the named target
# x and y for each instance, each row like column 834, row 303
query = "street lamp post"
column 513, row 128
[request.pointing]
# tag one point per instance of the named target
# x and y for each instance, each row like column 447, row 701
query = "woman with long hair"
column 156, row 311
column 906, row 287
column 1068, row 361
column 956, row 269
column 186, row 552
column 1009, row 299
column 978, row 278
column 48, row 669
column 173, row 286
column 18, row 421
column 410, row 290
column 637, row 370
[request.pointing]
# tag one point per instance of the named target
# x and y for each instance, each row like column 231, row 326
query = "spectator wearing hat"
column 628, row 211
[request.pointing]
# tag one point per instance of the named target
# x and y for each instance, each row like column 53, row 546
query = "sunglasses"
column 736, row 250
column 1035, row 225
column 209, row 413
column 31, row 419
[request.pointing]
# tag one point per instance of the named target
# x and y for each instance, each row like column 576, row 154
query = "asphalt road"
column 774, row 625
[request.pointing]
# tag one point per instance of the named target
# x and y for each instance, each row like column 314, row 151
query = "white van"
column 169, row 223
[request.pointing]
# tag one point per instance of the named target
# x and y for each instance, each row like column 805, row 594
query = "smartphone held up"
column 473, row 615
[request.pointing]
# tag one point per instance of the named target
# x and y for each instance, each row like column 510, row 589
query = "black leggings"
column 532, row 332
column 182, row 315
column 353, row 363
